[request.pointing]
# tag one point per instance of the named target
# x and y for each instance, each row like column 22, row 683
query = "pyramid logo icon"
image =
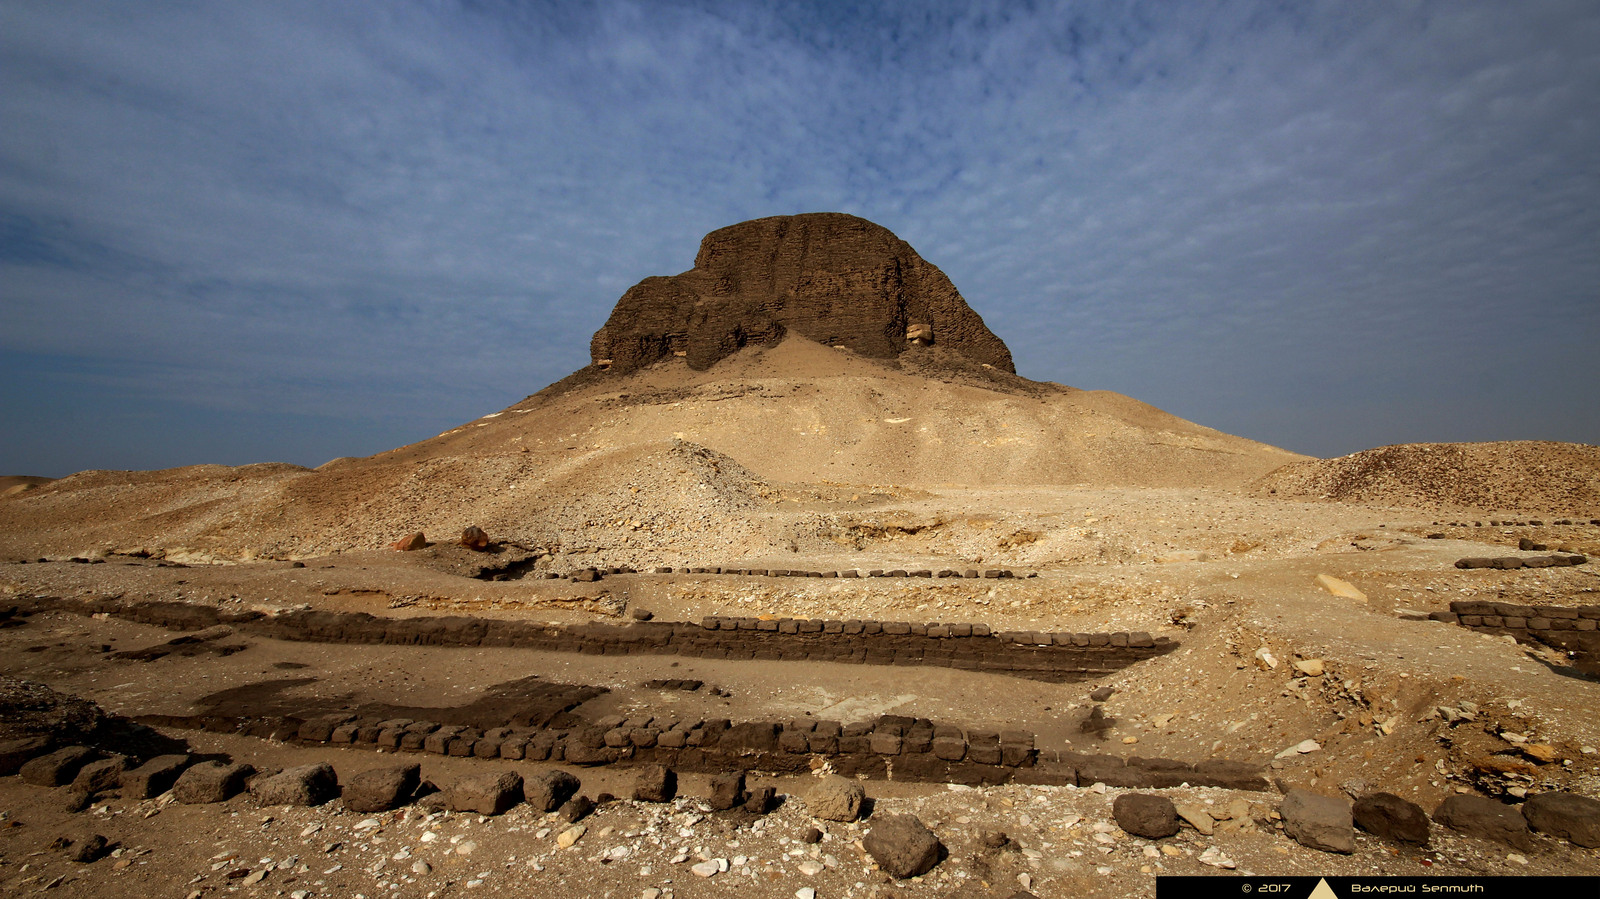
column 1323, row 891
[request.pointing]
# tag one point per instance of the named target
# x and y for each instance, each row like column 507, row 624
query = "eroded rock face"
column 834, row 278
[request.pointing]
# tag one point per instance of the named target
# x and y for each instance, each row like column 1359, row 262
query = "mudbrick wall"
column 891, row 747
column 1575, row 630
column 1052, row 657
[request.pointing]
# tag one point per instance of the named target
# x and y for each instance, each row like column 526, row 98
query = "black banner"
column 1375, row 887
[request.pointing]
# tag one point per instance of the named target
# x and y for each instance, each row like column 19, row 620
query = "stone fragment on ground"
column 655, row 783
column 727, row 791
column 382, row 789
column 100, row 776
column 152, row 778
column 549, row 790
column 1485, row 818
column 1145, row 815
column 1318, row 822
column 1390, row 817
column 211, row 782
column 836, row 799
column 902, row 845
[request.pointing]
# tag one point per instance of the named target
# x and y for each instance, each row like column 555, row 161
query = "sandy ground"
column 1371, row 711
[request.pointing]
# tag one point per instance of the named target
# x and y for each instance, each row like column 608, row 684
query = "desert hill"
column 1524, row 475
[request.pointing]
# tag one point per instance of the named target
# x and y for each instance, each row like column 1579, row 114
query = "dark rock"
column 902, row 846
column 305, row 785
column 88, row 851
column 474, row 537
column 1392, row 818
column 812, row 836
column 576, row 809
column 211, row 782
column 1101, row 694
column 1318, row 822
column 761, row 800
column 16, row 753
column 486, row 794
column 1479, row 817
column 76, row 800
column 153, row 777
column 1144, row 815
column 586, row 576
column 58, row 768
column 1570, row 817
column 727, row 790
column 382, row 789
column 830, row 277
column 549, row 790
column 655, row 783
column 98, row 777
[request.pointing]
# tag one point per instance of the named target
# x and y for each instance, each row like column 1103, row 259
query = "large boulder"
column 836, row 799
column 486, row 794
column 902, row 845
column 1144, row 815
column 1479, row 817
column 305, row 785
column 1570, row 817
column 382, row 789
column 834, row 278
column 1318, row 822
column 211, row 782
column 1392, row 818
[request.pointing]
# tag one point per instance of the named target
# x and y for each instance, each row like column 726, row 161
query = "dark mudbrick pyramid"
column 827, row 276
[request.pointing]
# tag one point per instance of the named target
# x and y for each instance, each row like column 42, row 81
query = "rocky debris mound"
column 902, row 846
column 834, row 278
column 1510, row 475
column 29, row 709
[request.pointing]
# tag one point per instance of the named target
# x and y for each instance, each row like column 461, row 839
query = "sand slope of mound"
column 1524, row 475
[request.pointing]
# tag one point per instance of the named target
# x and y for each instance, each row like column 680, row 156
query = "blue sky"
column 293, row 231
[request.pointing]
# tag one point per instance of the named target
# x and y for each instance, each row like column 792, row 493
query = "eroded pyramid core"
column 831, row 277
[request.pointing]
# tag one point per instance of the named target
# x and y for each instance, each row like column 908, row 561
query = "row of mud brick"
column 852, row 573
column 1512, row 563
column 891, row 747
column 1534, row 522
column 1575, row 631
column 1053, row 657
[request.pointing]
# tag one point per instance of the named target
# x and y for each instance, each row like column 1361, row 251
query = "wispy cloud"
column 392, row 216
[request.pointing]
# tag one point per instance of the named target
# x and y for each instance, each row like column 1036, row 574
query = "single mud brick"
column 918, row 739
column 760, row 800
column 153, row 777
column 788, row 626
column 368, row 734
column 16, row 753
column 672, row 739
column 1485, row 818
column 461, row 746
column 438, row 742
column 412, row 741
column 98, row 777
column 902, row 846
column 344, row 734
column 487, row 748
column 853, row 573
column 421, row 727
column 211, row 782
column 727, row 791
column 959, row 630
column 1145, row 815
column 833, row 627
column 486, row 794
column 1318, row 822
column 57, row 769
column 980, row 630
column 794, row 742
column 655, row 783
column 549, row 790
column 317, row 730
column 749, row 738
column 1538, row 624
column 514, row 748
column 951, row 748
column 1389, row 817
column 1567, row 816
column 643, row 737
column 896, row 628
column 305, row 785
